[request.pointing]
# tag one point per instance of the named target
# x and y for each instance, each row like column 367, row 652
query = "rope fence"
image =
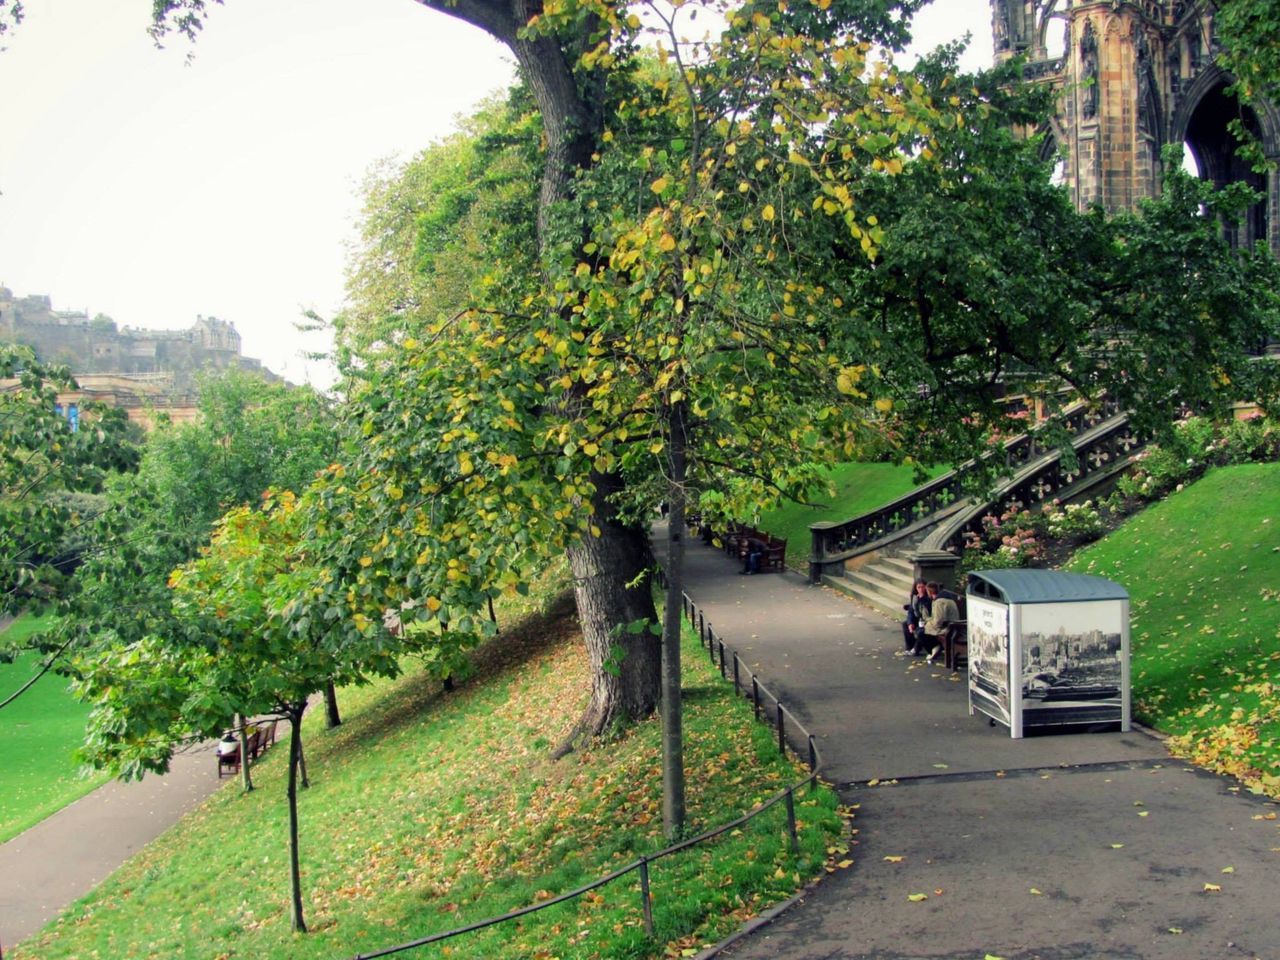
column 790, row 731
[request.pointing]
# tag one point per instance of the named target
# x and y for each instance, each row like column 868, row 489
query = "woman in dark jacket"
column 918, row 607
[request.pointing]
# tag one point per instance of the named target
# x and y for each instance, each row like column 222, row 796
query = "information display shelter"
column 1048, row 649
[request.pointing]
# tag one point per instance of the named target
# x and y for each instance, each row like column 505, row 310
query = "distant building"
column 139, row 370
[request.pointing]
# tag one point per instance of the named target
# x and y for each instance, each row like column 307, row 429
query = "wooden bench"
column 774, row 558
column 955, row 644
column 262, row 736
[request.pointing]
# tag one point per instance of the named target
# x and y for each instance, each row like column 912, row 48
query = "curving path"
column 1055, row 847
column 47, row 868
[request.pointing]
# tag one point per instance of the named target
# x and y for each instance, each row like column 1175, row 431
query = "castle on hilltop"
column 139, row 370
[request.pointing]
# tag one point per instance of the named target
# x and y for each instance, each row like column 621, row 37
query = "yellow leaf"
column 1228, row 869
column 767, row 213
column 1117, row 846
column 845, row 864
column 366, row 561
column 1211, row 888
column 893, row 859
column 667, row 242
column 884, row 404
column 658, row 185
column 917, row 897
column 780, row 874
column 1036, row 893
column 433, row 604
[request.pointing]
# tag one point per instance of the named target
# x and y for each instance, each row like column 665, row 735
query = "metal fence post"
column 721, row 659
column 791, row 823
column 755, row 696
column 813, row 765
column 737, row 687
column 782, row 736
column 702, row 628
column 644, row 896
column 711, row 646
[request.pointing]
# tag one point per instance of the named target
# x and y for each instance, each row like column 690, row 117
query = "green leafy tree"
column 244, row 643
column 248, row 437
column 43, row 460
column 437, row 230
column 988, row 282
column 672, row 350
column 1249, row 31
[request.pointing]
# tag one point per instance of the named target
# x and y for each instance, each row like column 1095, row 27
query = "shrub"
column 1077, row 522
column 1195, row 445
column 1013, row 539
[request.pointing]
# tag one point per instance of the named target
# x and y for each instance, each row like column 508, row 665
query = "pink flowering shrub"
column 1196, row 445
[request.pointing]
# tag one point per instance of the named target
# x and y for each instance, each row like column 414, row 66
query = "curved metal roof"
column 1050, row 586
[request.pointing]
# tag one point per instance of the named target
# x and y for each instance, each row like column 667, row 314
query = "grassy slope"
column 859, row 487
column 1202, row 568
column 39, row 731
column 428, row 810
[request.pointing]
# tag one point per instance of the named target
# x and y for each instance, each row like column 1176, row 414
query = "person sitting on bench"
column 917, row 607
column 755, row 553
column 943, row 611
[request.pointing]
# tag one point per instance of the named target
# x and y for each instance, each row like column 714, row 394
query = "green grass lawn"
column 859, row 487
column 1203, row 570
column 39, row 731
column 430, row 810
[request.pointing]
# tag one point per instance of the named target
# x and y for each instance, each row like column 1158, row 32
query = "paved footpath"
column 47, row 868
column 1093, row 846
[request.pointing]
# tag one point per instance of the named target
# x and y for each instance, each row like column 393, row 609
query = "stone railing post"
column 818, row 549
column 939, row 565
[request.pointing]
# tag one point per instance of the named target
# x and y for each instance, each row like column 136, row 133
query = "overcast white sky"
column 135, row 184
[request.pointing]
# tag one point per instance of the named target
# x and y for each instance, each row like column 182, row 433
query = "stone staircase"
column 882, row 584
column 876, row 556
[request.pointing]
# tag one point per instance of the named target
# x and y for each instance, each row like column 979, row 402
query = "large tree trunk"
column 571, row 118
column 332, row 718
column 611, row 584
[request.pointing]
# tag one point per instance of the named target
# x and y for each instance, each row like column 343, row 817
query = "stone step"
column 893, row 571
column 898, row 563
column 874, row 579
column 890, row 606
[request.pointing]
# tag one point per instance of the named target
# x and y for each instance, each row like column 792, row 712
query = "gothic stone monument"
column 1134, row 77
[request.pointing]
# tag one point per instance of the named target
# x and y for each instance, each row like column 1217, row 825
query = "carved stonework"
column 1088, row 72
column 1137, row 75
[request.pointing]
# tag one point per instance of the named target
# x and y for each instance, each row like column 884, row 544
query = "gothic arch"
column 1210, row 79
column 1200, row 122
